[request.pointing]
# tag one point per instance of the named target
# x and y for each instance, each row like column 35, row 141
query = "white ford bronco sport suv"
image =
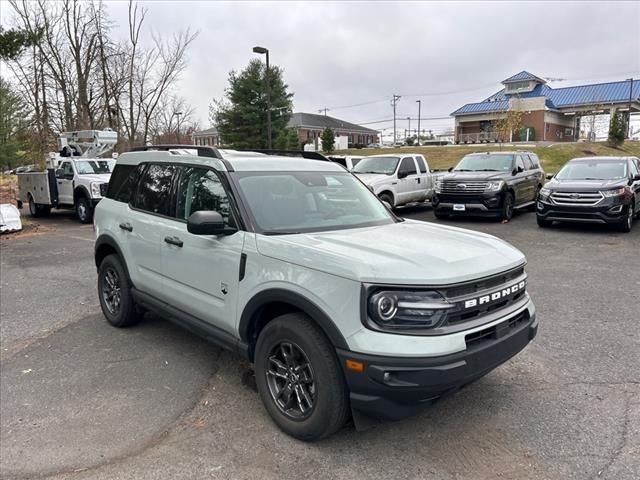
column 344, row 308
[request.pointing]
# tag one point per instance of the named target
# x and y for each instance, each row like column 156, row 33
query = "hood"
column 96, row 177
column 405, row 253
column 584, row 185
column 373, row 178
column 470, row 176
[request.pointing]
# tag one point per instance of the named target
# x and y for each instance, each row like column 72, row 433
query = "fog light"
column 616, row 209
column 386, row 377
column 540, row 206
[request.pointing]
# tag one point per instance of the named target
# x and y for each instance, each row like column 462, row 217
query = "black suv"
column 489, row 184
column 593, row 190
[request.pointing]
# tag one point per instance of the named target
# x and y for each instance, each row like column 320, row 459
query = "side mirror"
column 549, row 176
column 402, row 174
column 59, row 173
column 450, row 169
column 208, row 222
column 514, row 172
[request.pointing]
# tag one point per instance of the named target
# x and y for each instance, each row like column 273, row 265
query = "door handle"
column 126, row 226
column 174, row 241
column 418, row 180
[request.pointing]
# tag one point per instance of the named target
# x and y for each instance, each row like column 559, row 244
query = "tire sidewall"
column 328, row 393
column 507, row 214
column 123, row 318
column 82, row 201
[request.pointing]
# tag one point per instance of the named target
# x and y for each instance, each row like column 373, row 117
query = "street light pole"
column 407, row 136
column 419, row 102
column 265, row 51
column 629, row 115
column 394, row 102
column 177, row 114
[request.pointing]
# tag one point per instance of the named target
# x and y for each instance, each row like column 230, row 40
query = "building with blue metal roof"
column 547, row 114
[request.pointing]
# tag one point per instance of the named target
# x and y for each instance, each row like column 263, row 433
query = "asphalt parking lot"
column 82, row 400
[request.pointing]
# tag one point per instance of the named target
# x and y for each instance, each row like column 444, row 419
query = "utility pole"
column 419, row 102
column 265, row 51
column 409, row 128
column 630, row 100
column 325, row 110
column 394, row 103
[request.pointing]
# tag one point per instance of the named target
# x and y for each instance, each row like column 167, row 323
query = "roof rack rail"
column 203, row 151
column 288, row 153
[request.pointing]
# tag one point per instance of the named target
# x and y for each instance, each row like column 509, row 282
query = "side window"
column 354, row 161
column 122, row 182
column 520, row 162
column 534, row 160
column 408, row 166
column 201, row 189
column 67, row 168
column 528, row 162
column 154, row 189
column 635, row 167
column 422, row 165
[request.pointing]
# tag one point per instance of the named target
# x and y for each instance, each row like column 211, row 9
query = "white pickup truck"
column 397, row 179
column 73, row 178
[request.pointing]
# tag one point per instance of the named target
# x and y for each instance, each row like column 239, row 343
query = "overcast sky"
column 336, row 54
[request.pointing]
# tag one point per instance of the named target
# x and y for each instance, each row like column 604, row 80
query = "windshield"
column 485, row 163
column 593, row 170
column 385, row 165
column 84, row 167
column 295, row 202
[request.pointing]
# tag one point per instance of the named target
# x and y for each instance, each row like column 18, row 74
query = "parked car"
column 397, row 179
column 347, row 161
column 344, row 308
column 592, row 190
column 489, row 184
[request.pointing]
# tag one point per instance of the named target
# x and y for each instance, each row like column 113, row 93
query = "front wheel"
column 507, row 207
column 299, row 378
column 385, row 197
column 84, row 210
column 627, row 224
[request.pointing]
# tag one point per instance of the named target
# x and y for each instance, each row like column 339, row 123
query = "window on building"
column 517, row 86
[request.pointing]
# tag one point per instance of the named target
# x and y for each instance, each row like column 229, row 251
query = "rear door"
column 149, row 211
column 425, row 177
column 201, row 272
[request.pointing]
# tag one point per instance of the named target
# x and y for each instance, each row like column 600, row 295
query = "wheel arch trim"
column 106, row 240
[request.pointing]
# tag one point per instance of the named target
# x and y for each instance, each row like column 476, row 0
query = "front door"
column 522, row 184
column 202, row 271
column 65, row 183
column 408, row 180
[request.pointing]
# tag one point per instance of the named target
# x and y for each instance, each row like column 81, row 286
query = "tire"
column 84, row 210
column 296, row 338
column 627, row 224
column 34, row 211
column 119, row 311
column 507, row 207
column 542, row 223
column 386, row 197
column 440, row 215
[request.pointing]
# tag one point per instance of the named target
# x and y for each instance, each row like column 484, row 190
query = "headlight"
column 438, row 186
column 407, row 310
column 95, row 190
column 494, row 186
column 544, row 192
column 616, row 192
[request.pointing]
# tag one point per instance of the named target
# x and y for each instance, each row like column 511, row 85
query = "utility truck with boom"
column 75, row 177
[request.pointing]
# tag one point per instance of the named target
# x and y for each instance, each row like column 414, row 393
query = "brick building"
column 310, row 126
column 551, row 114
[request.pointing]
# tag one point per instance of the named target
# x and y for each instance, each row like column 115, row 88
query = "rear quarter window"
column 122, row 183
column 154, row 189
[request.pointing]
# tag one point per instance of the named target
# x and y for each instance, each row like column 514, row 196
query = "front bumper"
column 609, row 211
column 391, row 388
column 485, row 204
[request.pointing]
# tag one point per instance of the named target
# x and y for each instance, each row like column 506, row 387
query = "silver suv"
column 344, row 308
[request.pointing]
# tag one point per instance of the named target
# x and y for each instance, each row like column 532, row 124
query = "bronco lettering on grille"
column 492, row 297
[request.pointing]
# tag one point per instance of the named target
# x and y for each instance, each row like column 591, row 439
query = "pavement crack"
column 622, row 443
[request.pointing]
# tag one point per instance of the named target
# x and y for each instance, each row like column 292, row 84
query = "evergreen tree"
column 328, row 140
column 616, row 130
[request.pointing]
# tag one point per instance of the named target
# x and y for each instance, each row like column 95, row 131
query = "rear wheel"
column 84, row 210
column 507, row 207
column 38, row 209
column 299, row 378
column 114, row 292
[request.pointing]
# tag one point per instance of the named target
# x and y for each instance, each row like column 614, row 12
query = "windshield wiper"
column 462, row 170
column 279, row 232
column 487, row 170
